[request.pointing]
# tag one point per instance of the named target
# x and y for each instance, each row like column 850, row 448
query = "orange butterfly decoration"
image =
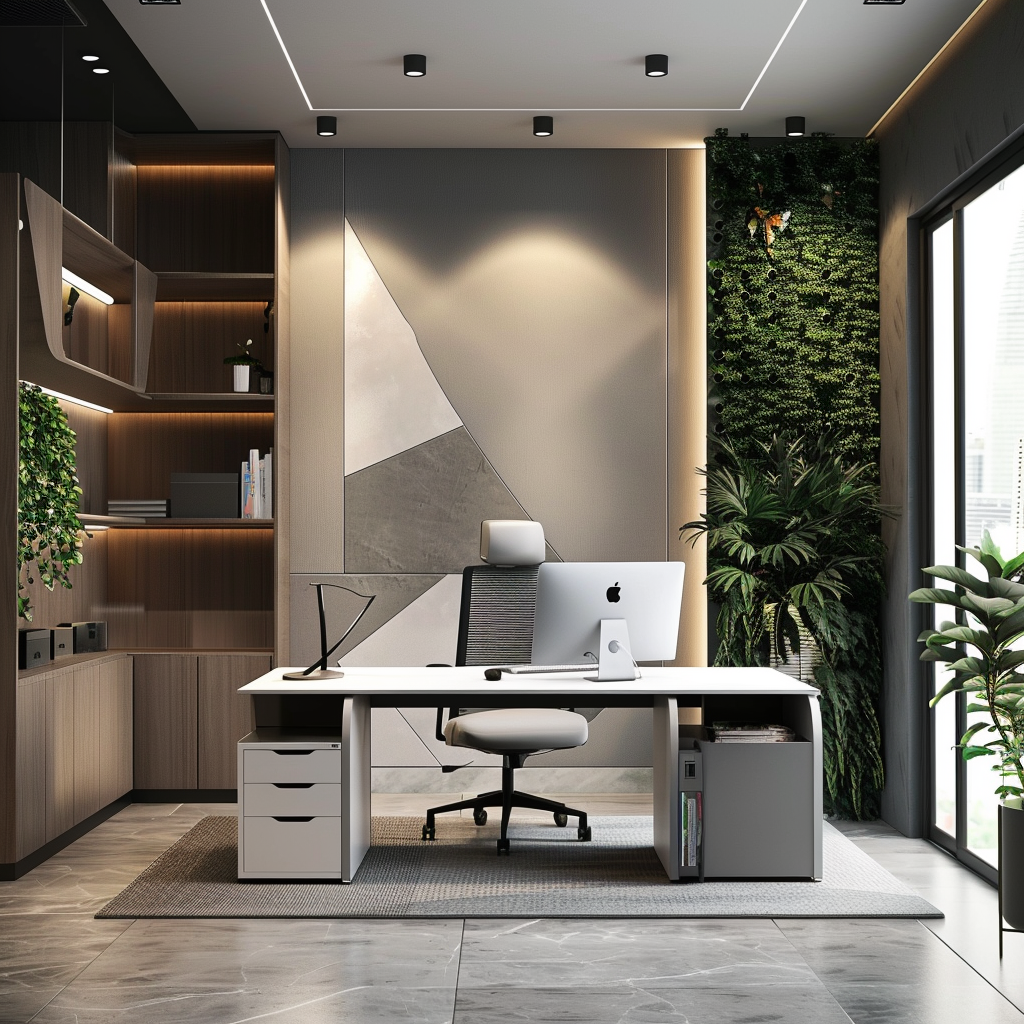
column 770, row 223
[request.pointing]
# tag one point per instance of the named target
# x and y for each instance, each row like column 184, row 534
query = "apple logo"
column 613, row 593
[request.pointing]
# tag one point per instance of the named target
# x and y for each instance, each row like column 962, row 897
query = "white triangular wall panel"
column 424, row 632
column 393, row 401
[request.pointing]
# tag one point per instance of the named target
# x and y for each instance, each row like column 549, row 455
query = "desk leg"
column 666, row 784
column 355, row 784
column 814, row 708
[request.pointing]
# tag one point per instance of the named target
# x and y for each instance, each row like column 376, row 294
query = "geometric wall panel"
column 420, row 511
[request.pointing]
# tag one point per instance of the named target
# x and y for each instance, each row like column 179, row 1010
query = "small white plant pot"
column 241, row 378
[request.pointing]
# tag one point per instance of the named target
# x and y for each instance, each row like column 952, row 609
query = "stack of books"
column 257, row 480
column 691, row 810
column 138, row 508
column 743, row 732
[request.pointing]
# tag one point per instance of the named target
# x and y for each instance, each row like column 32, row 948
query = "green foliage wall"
column 793, row 350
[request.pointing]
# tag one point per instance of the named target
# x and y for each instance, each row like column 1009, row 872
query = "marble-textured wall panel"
column 392, row 400
column 424, row 632
column 393, row 593
column 420, row 511
column 535, row 284
column 970, row 101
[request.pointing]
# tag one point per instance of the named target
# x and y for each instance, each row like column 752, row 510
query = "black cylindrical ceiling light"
column 794, row 127
column 414, row 65
column 543, row 125
column 327, row 124
column 656, row 65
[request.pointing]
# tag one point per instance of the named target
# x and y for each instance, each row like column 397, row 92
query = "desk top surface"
column 396, row 682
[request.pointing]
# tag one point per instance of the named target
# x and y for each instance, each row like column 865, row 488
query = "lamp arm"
column 321, row 662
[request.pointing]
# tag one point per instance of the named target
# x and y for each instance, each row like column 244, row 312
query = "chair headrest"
column 511, row 542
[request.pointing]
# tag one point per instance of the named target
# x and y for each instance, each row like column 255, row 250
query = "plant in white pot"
column 983, row 652
column 242, row 364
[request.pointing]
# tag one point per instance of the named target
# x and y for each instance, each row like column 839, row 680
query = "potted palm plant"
column 983, row 654
column 795, row 555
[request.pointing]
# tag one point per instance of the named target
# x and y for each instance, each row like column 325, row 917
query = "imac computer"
column 611, row 614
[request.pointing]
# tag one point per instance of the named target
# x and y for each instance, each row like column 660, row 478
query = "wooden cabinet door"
column 31, row 765
column 87, row 740
column 165, row 714
column 115, row 738
column 60, row 753
column 225, row 715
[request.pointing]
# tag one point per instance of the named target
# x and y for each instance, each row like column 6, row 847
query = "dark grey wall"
column 970, row 102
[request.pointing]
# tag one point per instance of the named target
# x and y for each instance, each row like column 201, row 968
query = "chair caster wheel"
column 561, row 820
column 504, row 847
column 428, row 832
column 585, row 834
column 480, row 815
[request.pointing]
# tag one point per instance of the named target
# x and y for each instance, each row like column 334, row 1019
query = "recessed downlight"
column 414, row 65
column 90, row 57
column 327, row 125
column 101, row 71
column 656, row 65
column 794, row 127
column 543, row 126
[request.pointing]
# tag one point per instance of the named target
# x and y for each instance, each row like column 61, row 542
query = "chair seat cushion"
column 517, row 730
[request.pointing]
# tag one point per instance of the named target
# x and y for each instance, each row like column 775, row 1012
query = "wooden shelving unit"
column 195, row 524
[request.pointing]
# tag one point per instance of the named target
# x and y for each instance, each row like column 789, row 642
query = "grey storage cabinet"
column 758, row 802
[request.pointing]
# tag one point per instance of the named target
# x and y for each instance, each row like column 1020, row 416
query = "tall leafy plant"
column 48, row 523
column 983, row 655
column 793, row 539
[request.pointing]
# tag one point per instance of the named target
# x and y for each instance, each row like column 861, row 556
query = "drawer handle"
column 310, row 818
column 293, row 753
column 292, row 785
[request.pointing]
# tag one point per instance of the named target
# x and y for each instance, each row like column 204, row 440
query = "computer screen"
column 573, row 598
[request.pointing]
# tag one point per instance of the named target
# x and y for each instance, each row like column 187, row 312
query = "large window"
column 976, row 369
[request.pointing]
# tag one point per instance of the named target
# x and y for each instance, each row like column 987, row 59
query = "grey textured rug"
column 549, row 874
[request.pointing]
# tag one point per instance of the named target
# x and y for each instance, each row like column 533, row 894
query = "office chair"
column 496, row 628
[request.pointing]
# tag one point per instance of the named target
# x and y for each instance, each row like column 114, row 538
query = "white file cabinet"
column 290, row 805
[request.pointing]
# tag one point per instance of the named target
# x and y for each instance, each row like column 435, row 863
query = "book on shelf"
column 137, row 508
column 257, row 486
column 749, row 732
column 691, row 828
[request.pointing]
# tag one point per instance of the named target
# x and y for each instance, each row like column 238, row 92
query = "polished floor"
column 57, row 963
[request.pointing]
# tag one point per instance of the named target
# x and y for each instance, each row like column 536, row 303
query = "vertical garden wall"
column 793, row 352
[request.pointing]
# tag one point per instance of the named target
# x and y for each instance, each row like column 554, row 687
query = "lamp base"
column 316, row 674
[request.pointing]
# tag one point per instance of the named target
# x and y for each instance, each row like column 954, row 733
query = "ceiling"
column 740, row 64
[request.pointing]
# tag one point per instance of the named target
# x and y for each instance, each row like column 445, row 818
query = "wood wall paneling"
column 9, row 313
column 124, row 188
column 192, row 339
column 225, row 715
column 90, row 429
column 87, row 598
column 87, row 740
column 206, row 218
column 33, row 150
column 31, row 765
column 191, row 588
column 166, row 721
column 145, row 448
column 88, row 153
column 115, row 729
column 60, row 752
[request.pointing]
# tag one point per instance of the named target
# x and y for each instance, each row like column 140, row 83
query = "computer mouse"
column 493, row 674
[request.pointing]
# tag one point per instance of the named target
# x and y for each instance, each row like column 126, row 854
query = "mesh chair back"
column 496, row 616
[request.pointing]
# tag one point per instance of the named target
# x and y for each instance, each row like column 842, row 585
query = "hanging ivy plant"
column 48, row 524
column 793, row 351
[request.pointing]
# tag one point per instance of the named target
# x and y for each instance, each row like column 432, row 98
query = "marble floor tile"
column 889, row 971
column 40, row 954
column 638, row 971
column 231, row 972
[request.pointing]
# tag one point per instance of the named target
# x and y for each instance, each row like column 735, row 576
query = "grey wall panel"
column 420, row 511
column 535, row 283
column 317, row 364
column 969, row 102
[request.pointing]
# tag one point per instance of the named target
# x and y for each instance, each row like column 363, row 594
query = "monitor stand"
column 615, row 663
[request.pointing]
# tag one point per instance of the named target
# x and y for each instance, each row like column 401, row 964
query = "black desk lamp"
column 319, row 669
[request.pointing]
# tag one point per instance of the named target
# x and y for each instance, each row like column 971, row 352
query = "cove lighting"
column 83, row 286
column 73, row 400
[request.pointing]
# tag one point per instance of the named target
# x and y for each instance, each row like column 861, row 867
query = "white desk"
column 719, row 690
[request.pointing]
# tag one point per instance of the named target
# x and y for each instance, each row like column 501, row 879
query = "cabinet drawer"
column 281, row 848
column 287, row 765
column 316, row 798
